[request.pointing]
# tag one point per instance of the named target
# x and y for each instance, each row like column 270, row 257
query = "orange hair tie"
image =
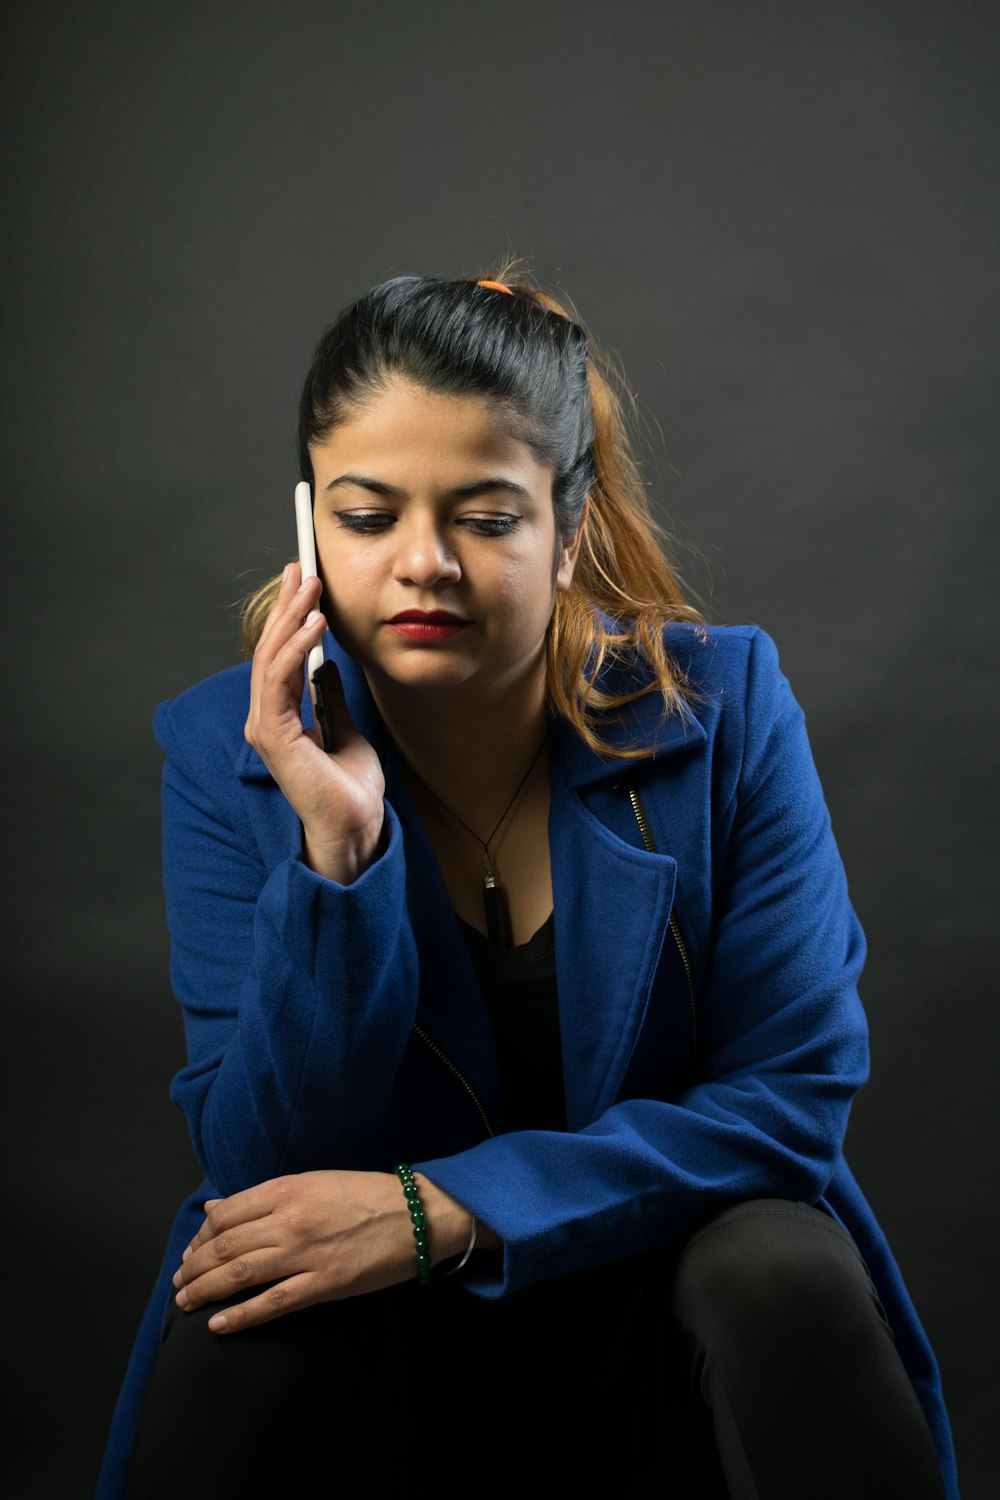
column 497, row 286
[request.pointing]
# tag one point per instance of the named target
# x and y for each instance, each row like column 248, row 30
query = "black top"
column 519, row 986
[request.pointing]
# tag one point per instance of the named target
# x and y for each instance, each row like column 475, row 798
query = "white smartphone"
column 306, row 539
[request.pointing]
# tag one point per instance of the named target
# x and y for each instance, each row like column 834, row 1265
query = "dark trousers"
column 755, row 1362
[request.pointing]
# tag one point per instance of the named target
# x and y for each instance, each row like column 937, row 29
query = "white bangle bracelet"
column 468, row 1250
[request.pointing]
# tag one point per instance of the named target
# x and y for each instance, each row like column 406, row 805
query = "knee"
column 770, row 1265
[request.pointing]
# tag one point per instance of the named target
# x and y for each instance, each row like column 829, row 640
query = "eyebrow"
column 460, row 492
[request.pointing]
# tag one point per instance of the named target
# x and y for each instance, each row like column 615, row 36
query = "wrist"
column 342, row 860
column 451, row 1224
column 443, row 1229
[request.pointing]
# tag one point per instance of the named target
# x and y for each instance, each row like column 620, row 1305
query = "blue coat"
column 712, row 1034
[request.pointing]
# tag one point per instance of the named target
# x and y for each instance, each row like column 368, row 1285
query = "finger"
column 254, row 1269
column 291, row 579
column 284, row 589
column 230, row 1245
column 295, row 598
column 242, row 1208
column 284, row 1297
column 276, row 677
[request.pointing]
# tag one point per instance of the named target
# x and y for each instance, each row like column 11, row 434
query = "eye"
column 364, row 520
column 490, row 525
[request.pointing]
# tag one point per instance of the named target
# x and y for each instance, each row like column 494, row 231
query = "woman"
column 523, row 1024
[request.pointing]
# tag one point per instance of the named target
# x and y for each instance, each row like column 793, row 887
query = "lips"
column 426, row 624
column 427, row 617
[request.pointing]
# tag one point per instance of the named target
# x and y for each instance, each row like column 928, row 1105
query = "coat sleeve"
column 785, row 1038
column 290, row 983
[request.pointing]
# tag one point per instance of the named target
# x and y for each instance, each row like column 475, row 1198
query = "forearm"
column 645, row 1172
column 326, row 997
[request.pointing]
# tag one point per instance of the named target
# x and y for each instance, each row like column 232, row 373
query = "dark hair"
column 461, row 338
column 546, row 380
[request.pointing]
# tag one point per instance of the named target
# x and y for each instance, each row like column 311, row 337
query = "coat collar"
column 642, row 723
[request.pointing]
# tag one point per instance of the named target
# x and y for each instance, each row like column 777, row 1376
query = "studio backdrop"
column 781, row 219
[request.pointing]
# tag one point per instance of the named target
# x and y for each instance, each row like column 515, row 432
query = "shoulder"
column 204, row 724
column 731, row 689
column 754, row 727
column 709, row 657
column 729, row 672
column 719, row 658
column 726, row 674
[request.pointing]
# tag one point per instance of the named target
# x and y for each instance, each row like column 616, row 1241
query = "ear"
column 569, row 552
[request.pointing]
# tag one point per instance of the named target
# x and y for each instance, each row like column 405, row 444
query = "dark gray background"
column 782, row 219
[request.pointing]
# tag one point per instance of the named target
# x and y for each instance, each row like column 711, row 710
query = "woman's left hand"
column 317, row 1236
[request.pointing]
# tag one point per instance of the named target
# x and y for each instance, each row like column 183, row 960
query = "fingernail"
column 313, row 616
column 187, row 1252
column 182, row 1299
column 178, row 1279
column 218, row 1323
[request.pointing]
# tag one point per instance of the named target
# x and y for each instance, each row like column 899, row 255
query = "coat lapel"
column 612, row 904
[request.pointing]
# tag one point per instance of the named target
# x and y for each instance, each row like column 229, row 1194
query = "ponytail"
column 624, row 588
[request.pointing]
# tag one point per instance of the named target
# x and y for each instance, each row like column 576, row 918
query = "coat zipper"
column 442, row 1054
column 650, row 843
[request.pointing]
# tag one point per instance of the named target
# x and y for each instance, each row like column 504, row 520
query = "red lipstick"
column 426, row 624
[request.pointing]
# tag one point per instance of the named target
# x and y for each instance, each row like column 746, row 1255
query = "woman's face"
column 436, row 542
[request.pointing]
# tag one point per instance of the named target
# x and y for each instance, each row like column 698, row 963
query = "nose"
column 423, row 556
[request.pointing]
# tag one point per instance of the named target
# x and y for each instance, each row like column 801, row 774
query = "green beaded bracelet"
column 418, row 1221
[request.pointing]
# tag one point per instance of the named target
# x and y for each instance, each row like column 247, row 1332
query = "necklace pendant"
column 496, row 928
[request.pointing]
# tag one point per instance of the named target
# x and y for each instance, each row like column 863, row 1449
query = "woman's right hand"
column 338, row 796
